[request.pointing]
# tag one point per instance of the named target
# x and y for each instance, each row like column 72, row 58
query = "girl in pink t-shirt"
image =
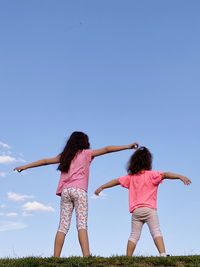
column 74, row 162
column 143, row 184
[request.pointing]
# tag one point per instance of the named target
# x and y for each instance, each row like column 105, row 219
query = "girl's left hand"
column 185, row 180
column 134, row 145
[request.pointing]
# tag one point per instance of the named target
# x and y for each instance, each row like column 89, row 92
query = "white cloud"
column 8, row 226
column 18, row 197
column 26, row 214
column 3, row 174
column 4, row 159
column 11, row 214
column 4, row 145
column 6, row 156
column 2, row 206
column 100, row 196
column 36, row 206
column 94, row 196
column 20, row 160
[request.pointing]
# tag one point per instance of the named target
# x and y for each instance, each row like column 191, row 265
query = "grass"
column 115, row 261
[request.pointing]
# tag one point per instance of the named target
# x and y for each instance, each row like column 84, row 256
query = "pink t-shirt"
column 78, row 173
column 142, row 189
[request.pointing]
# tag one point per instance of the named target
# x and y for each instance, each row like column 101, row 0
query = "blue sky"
column 121, row 71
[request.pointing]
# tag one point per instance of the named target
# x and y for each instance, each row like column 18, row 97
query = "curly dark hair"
column 76, row 142
column 140, row 160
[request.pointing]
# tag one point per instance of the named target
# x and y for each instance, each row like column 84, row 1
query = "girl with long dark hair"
column 142, row 184
column 74, row 162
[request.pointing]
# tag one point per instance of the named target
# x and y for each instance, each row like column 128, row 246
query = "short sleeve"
column 156, row 177
column 88, row 153
column 124, row 181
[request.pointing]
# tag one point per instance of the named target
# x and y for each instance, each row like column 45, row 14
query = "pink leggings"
column 141, row 216
column 73, row 198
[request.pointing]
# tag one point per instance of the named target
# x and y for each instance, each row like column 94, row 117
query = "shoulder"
column 124, row 179
column 155, row 176
column 87, row 153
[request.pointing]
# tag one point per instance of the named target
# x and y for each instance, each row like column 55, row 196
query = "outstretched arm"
column 171, row 175
column 38, row 163
column 110, row 149
column 107, row 185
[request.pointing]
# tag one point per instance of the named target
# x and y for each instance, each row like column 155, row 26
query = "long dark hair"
column 76, row 142
column 140, row 160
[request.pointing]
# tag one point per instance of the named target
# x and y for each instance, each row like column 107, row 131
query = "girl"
column 143, row 184
column 74, row 162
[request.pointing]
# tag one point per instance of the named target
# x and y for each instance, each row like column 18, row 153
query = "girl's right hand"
column 19, row 169
column 98, row 191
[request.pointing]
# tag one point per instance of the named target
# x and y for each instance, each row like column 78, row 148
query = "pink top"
column 78, row 173
column 142, row 189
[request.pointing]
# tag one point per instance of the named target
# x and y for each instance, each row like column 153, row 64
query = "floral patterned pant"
column 73, row 198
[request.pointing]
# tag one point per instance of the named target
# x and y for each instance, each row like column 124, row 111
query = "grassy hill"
column 115, row 261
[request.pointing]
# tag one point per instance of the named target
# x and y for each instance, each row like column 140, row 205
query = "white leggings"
column 141, row 216
column 73, row 198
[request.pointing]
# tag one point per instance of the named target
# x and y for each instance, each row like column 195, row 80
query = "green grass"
column 115, row 261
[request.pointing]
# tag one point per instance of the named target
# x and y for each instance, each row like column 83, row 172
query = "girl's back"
column 143, row 188
column 78, row 173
